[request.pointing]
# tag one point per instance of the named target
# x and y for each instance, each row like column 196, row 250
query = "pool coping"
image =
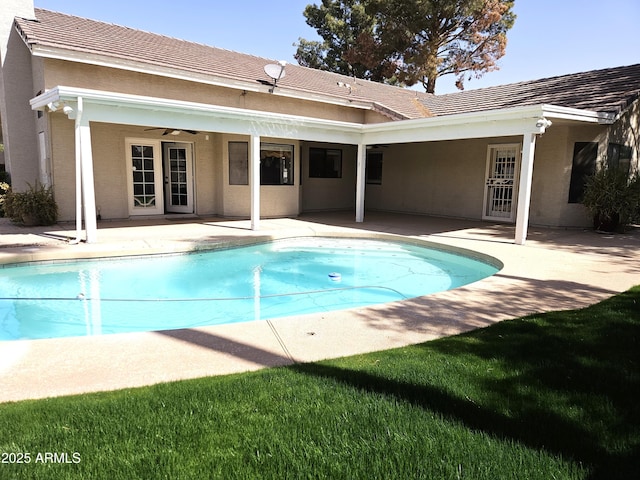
column 40, row 258
column 557, row 270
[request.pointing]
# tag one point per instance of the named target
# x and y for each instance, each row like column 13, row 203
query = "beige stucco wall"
column 59, row 72
column 18, row 121
column 447, row 178
column 110, row 163
column 436, row 178
column 329, row 193
column 275, row 200
column 627, row 132
column 213, row 194
column 552, row 175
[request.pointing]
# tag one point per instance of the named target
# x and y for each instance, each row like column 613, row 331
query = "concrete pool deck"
column 557, row 269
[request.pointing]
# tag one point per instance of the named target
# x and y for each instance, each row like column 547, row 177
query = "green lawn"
column 550, row 396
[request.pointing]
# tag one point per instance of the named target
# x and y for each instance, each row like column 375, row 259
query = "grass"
column 550, row 396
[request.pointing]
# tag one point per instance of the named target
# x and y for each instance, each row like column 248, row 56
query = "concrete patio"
column 556, row 269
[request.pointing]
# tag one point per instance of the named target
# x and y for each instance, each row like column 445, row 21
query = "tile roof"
column 609, row 90
column 81, row 35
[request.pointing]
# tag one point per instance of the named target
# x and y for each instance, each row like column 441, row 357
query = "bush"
column 36, row 206
column 4, row 189
column 612, row 197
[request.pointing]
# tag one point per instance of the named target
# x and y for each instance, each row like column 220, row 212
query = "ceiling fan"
column 172, row 131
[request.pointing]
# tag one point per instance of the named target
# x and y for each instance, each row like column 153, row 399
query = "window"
column 374, row 168
column 276, row 164
column 619, row 156
column 238, row 163
column 584, row 164
column 325, row 163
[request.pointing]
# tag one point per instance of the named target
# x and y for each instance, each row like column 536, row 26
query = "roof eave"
column 58, row 53
column 578, row 115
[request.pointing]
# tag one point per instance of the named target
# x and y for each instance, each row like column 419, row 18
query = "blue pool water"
column 258, row 282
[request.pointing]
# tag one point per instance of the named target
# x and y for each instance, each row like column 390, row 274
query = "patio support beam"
column 361, row 167
column 78, row 175
column 85, row 188
column 524, row 188
column 254, row 180
column 86, row 172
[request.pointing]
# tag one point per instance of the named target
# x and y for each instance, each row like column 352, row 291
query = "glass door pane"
column 178, row 177
column 144, row 189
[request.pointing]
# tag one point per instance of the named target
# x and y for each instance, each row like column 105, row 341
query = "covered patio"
column 86, row 107
column 556, row 269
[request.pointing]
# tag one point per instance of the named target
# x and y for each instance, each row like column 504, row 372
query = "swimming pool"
column 257, row 282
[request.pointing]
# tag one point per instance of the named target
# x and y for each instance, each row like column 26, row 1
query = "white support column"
column 88, row 187
column 254, row 180
column 78, row 177
column 524, row 188
column 361, row 176
column 85, row 189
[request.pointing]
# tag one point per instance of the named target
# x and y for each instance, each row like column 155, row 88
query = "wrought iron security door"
column 503, row 166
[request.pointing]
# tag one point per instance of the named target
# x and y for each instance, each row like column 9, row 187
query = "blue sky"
column 550, row 37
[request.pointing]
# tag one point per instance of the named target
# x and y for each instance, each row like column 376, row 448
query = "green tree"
column 408, row 41
column 349, row 43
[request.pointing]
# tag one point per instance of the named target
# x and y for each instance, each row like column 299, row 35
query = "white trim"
column 577, row 115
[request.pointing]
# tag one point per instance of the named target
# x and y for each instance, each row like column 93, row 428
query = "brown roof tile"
column 57, row 30
column 610, row 90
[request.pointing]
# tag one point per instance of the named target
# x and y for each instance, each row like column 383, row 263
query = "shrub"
column 4, row 189
column 36, row 206
column 612, row 197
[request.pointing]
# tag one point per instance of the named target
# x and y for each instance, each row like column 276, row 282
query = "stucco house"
column 125, row 123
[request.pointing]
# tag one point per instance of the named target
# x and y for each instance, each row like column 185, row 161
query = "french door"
column 178, row 177
column 144, row 172
column 160, row 177
column 501, row 184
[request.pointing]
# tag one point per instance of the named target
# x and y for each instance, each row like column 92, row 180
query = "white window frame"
column 158, row 208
